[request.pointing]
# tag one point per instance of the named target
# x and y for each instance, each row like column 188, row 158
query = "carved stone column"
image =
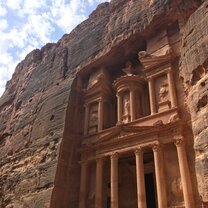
column 86, row 119
column 114, row 180
column 141, row 194
column 83, row 185
column 152, row 95
column 119, row 107
column 171, row 89
column 100, row 115
column 185, row 174
column 160, row 178
column 99, row 183
column 132, row 103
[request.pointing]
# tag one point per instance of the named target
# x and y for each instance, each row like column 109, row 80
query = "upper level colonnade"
column 131, row 94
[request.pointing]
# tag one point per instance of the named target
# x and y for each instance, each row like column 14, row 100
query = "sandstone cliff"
column 194, row 66
column 38, row 106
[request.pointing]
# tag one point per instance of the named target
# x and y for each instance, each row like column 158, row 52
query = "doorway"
column 150, row 190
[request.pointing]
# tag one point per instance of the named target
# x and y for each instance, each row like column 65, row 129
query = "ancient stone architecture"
column 113, row 115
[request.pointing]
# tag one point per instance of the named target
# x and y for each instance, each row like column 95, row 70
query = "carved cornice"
column 123, row 134
column 125, row 131
column 126, row 81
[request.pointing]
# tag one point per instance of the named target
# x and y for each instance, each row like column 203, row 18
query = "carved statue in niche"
column 126, row 108
column 93, row 119
column 176, row 188
column 128, row 69
column 163, row 92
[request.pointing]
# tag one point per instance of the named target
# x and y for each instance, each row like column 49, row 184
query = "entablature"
column 128, row 138
column 131, row 133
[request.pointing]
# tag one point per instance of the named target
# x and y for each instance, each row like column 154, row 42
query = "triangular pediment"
column 122, row 131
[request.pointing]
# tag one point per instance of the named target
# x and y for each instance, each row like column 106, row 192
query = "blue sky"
column 29, row 24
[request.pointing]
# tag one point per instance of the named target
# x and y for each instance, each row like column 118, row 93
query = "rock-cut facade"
column 113, row 115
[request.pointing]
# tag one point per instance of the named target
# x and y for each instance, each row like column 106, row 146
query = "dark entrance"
column 150, row 191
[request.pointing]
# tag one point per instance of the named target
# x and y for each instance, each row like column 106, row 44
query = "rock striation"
column 40, row 120
column 194, row 67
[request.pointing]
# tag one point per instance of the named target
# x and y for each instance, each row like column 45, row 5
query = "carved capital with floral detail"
column 178, row 141
column 100, row 100
column 114, row 155
column 99, row 160
column 150, row 78
column 138, row 151
column 156, row 147
column 85, row 163
column 169, row 70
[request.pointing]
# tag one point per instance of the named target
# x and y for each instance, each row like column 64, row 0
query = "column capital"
column 169, row 70
column 118, row 95
column 179, row 141
column 114, row 155
column 86, row 105
column 132, row 89
column 156, row 147
column 101, row 100
column 138, row 150
column 85, row 163
column 99, row 159
column 150, row 78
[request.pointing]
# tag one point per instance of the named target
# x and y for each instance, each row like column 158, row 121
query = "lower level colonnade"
column 141, row 194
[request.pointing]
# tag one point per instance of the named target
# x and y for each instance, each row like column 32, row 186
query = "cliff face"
column 38, row 106
column 32, row 118
column 194, row 67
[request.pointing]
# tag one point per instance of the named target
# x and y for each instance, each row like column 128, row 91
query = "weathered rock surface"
column 39, row 102
column 194, row 68
column 32, row 118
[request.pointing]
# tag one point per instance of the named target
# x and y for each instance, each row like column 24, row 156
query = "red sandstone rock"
column 41, row 112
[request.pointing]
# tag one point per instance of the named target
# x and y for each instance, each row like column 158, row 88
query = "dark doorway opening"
column 150, row 190
column 108, row 202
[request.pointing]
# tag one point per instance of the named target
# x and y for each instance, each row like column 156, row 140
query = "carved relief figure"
column 163, row 92
column 93, row 118
column 177, row 191
column 126, row 106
